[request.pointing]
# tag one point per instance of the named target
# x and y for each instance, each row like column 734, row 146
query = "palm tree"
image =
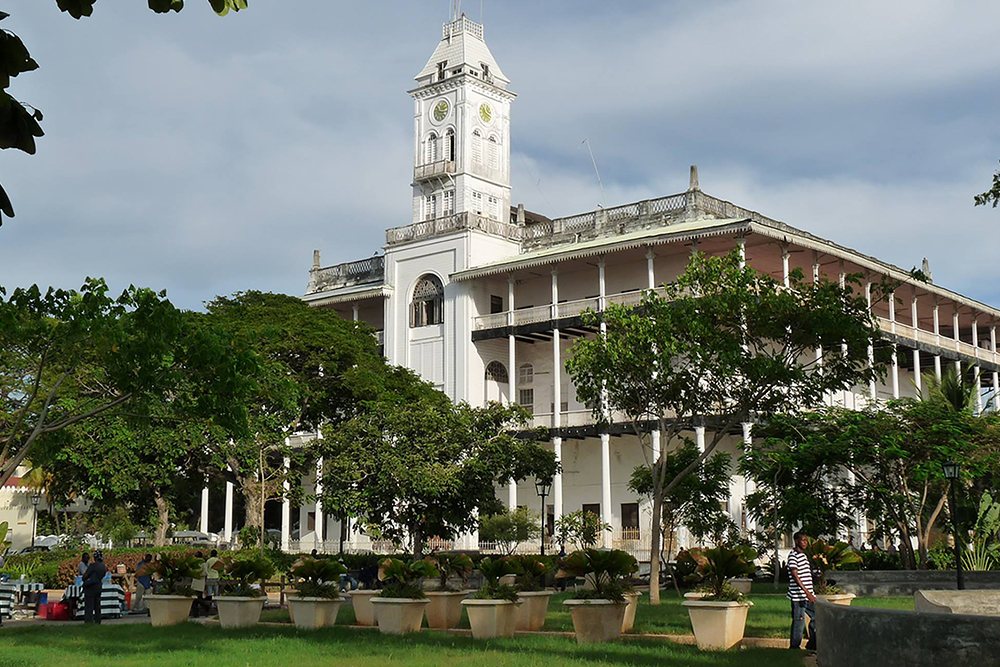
column 953, row 389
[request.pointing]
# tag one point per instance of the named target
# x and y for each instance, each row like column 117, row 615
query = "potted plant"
column 493, row 609
column 826, row 557
column 719, row 617
column 445, row 608
column 171, row 604
column 531, row 591
column 599, row 611
column 317, row 599
column 240, row 607
column 399, row 606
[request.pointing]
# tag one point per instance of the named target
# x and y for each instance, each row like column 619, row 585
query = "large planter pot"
column 717, row 625
column 398, row 616
column 742, row 585
column 596, row 620
column 239, row 612
column 364, row 612
column 693, row 595
column 491, row 618
column 445, row 609
column 168, row 609
column 531, row 612
column 312, row 613
column 628, row 622
column 843, row 599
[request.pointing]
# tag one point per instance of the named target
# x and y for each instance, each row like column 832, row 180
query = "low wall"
column 985, row 603
column 869, row 636
column 907, row 582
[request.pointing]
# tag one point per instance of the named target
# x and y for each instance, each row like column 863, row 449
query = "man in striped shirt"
column 800, row 592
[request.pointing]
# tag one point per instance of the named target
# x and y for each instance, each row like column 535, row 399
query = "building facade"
column 484, row 300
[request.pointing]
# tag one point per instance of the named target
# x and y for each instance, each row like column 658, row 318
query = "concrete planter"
column 398, row 616
column 445, row 609
column 239, row 612
column 364, row 612
column 843, row 599
column 628, row 622
column 596, row 620
column 168, row 609
column 717, row 625
column 491, row 618
column 695, row 596
column 313, row 613
column 742, row 585
column 531, row 613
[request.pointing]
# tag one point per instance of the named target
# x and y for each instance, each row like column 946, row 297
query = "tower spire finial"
column 693, row 184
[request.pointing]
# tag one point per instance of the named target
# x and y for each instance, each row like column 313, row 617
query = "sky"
column 206, row 155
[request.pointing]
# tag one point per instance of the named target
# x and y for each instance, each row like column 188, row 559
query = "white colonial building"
column 484, row 300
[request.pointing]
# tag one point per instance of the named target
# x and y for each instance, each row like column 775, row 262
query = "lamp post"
column 35, row 499
column 951, row 474
column 542, row 488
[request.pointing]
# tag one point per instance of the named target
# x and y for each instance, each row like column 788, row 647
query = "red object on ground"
column 128, row 600
column 43, row 611
column 58, row 611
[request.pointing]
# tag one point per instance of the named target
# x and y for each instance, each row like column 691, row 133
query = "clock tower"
column 461, row 128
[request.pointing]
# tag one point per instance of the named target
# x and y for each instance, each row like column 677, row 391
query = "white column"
column 996, row 375
column 286, row 506
column 651, row 276
column 937, row 339
column 975, row 371
column 916, row 352
column 320, row 521
column 748, row 485
column 557, row 489
column 954, row 325
column 655, row 434
column 741, row 246
column 355, row 308
column 204, row 508
column 512, row 376
column 895, row 360
column 227, row 533
column 699, row 437
column 819, row 349
column 784, row 265
column 657, row 447
column 606, row 513
column 872, row 394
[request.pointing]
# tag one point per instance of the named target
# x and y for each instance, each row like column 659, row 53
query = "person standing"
column 81, row 568
column 801, row 593
column 212, row 567
column 93, row 583
column 143, row 583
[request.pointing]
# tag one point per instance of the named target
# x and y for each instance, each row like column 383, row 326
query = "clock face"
column 441, row 110
column 485, row 112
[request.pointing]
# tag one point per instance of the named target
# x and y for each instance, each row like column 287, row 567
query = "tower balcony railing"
column 426, row 172
column 452, row 223
column 563, row 310
column 930, row 338
column 362, row 271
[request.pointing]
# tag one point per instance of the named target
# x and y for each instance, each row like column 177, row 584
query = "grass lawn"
column 769, row 617
column 194, row 645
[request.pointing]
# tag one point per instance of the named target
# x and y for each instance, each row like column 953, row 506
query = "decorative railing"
column 370, row 270
column 564, row 309
column 451, row 223
column 462, row 25
column 960, row 346
column 437, row 169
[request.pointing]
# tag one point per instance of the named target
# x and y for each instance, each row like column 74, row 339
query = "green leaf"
column 164, row 6
column 77, row 8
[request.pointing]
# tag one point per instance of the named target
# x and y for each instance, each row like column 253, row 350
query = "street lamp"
column 35, row 499
column 542, row 489
column 951, row 474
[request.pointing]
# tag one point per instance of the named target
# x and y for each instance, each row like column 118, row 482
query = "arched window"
column 497, row 372
column 431, row 152
column 525, row 374
column 477, row 147
column 449, row 145
column 494, row 149
column 427, row 306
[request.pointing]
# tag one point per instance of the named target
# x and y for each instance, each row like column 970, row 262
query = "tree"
column 19, row 122
column 696, row 502
column 313, row 368
column 509, row 528
column 427, row 467
column 991, row 196
column 893, row 457
column 70, row 356
column 584, row 529
column 727, row 343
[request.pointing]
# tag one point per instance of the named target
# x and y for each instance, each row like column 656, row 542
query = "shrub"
column 941, row 557
column 317, row 577
column 510, row 528
column 880, row 560
column 533, row 570
column 582, row 528
column 451, row 565
column 610, row 572
column 493, row 569
column 246, row 572
column 402, row 578
column 826, row 557
column 723, row 563
column 176, row 572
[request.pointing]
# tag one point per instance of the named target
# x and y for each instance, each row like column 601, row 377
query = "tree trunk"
column 418, row 542
column 670, row 549
column 162, row 520
column 654, row 550
column 343, row 532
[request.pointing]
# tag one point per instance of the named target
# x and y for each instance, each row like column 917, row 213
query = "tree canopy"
column 727, row 343
column 991, row 196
